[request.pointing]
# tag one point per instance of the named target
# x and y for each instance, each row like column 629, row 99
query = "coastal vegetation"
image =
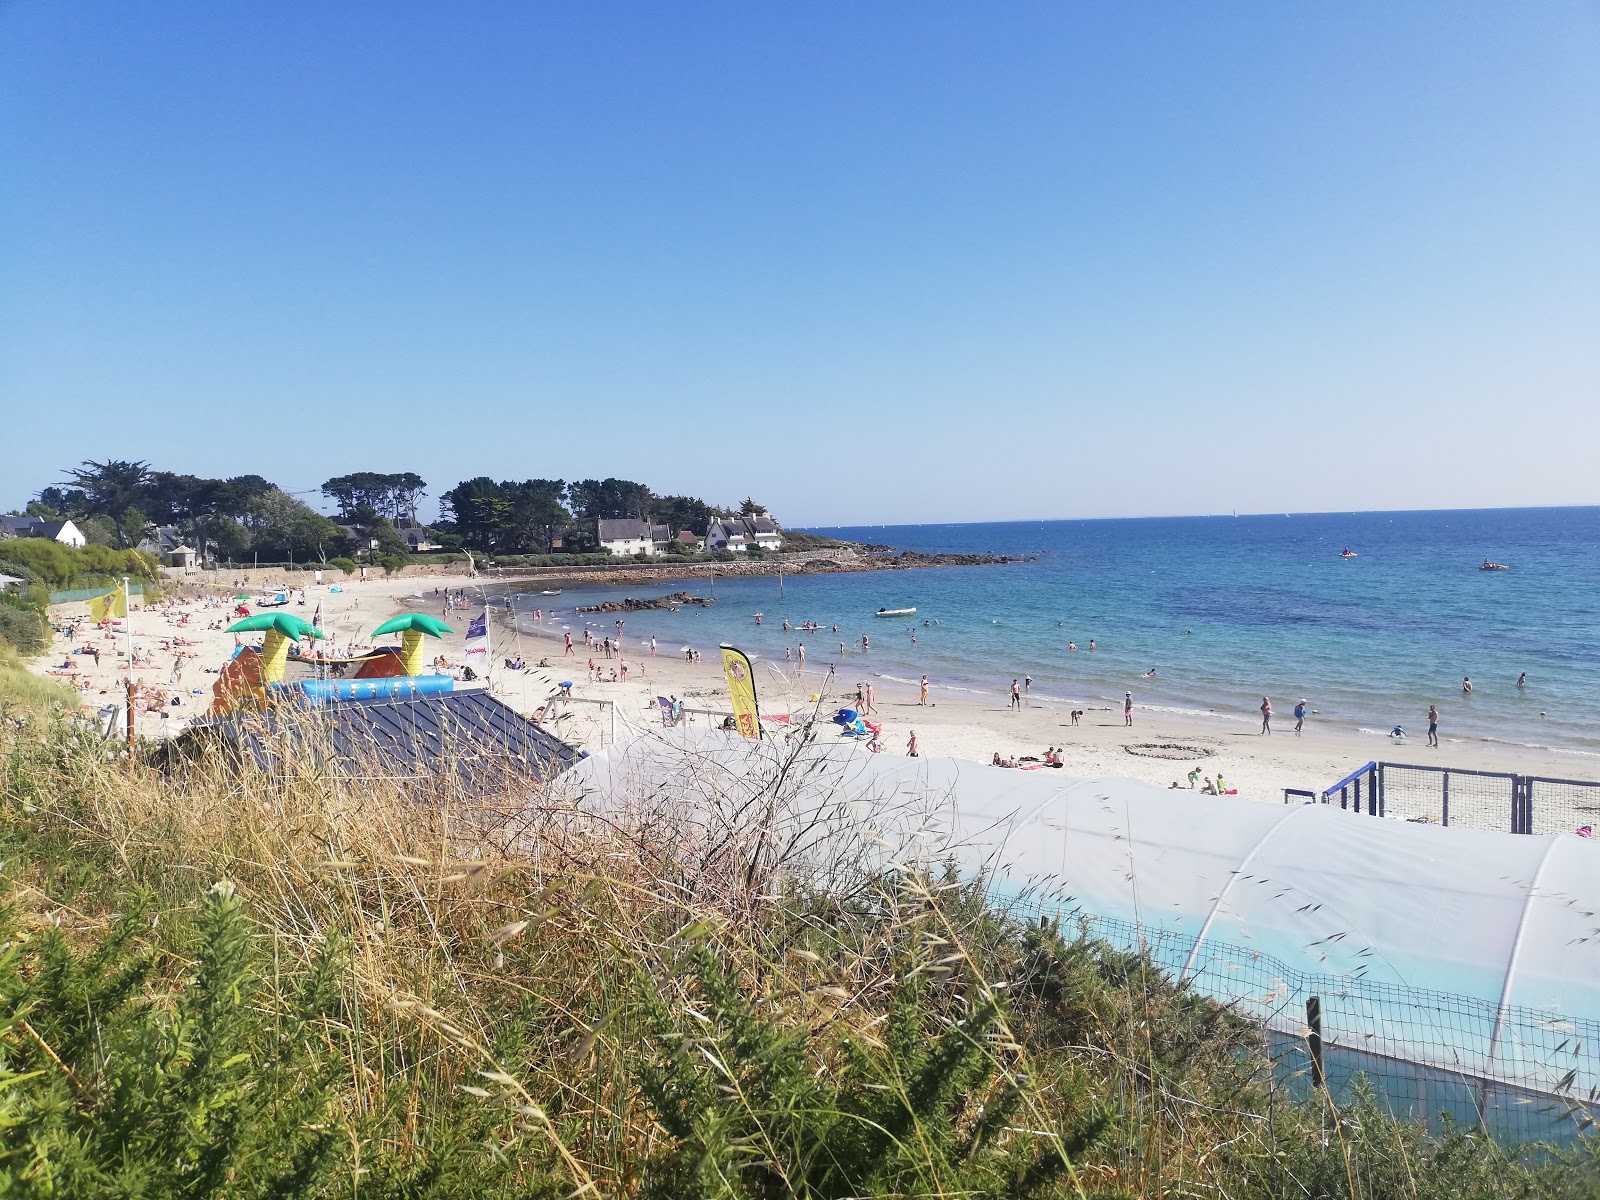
column 120, row 504
column 230, row 985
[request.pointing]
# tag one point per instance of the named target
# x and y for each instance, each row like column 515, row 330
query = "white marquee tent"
column 1465, row 963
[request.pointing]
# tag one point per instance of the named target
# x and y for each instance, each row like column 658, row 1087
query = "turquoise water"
column 1224, row 608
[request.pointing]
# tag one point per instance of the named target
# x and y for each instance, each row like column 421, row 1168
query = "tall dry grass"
column 542, row 992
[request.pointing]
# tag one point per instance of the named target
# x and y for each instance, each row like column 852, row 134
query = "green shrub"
column 24, row 628
column 347, row 565
column 66, row 567
column 219, row 1089
column 390, row 562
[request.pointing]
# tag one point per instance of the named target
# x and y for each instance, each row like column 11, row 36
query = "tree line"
column 119, row 502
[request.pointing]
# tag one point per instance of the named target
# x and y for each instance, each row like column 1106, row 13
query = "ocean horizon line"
column 1213, row 516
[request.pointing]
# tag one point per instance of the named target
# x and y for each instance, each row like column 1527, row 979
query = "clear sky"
column 866, row 262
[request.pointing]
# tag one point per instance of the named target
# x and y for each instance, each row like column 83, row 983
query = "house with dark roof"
column 627, row 536
column 741, row 533
column 64, row 532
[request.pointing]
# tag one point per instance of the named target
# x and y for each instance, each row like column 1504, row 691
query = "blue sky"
column 889, row 262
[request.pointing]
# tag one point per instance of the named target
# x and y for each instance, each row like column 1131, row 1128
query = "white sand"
column 1260, row 767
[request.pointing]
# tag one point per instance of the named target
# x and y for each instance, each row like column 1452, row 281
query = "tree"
column 394, row 496
column 111, row 488
column 54, row 503
column 282, row 527
column 749, row 508
column 536, row 513
column 594, row 500
column 480, row 511
column 678, row 513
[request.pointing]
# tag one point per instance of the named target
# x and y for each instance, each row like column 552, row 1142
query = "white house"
column 740, row 533
column 627, row 537
column 64, row 532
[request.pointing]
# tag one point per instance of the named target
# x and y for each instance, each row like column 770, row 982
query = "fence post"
column 1444, row 813
column 1521, row 804
column 1374, row 792
column 1314, row 1041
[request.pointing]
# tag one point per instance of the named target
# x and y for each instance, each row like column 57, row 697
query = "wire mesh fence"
column 1491, row 800
column 1524, row 1075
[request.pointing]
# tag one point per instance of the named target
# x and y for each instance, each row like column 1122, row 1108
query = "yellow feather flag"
column 112, row 604
column 742, row 691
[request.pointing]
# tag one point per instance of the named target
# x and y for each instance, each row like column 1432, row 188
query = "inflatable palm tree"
column 412, row 628
column 281, row 628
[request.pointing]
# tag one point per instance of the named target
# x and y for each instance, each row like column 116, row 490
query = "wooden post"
column 133, row 693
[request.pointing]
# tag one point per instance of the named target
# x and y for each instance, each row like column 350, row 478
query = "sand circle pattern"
column 1172, row 750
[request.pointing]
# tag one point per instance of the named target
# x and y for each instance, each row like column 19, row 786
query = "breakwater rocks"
column 888, row 558
column 630, row 604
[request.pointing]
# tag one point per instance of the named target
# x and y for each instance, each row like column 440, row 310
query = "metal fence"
column 134, row 589
column 1491, row 800
column 1523, row 1075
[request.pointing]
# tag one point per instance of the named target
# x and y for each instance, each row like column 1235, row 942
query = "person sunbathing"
column 1002, row 762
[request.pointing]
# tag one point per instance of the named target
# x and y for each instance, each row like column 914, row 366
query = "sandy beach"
column 179, row 644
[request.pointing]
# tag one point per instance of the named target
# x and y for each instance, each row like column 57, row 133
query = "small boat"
column 896, row 612
column 1493, row 566
column 557, row 592
column 1347, row 553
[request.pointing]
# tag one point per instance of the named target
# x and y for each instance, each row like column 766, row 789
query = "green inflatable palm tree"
column 412, row 628
column 281, row 628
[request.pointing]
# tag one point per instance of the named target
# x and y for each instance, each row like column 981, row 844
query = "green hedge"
column 62, row 568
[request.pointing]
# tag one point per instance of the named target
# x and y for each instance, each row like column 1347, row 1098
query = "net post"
column 1314, row 1041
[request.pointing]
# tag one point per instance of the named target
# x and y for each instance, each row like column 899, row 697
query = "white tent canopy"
column 1505, row 928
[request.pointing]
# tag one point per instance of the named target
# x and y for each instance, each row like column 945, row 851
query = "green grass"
column 228, row 986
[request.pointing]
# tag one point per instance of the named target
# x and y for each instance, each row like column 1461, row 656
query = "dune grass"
column 225, row 984
column 21, row 691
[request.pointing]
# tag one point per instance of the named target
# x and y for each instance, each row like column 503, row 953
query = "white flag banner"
column 476, row 645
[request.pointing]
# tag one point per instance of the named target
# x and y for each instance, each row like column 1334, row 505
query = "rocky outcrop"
column 630, row 604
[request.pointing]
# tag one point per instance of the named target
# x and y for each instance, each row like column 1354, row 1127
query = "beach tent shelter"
column 1460, row 968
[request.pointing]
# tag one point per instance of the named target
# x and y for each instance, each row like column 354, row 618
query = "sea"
column 1222, row 610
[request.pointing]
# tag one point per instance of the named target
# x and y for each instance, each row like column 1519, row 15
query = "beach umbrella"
column 281, row 628
column 412, row 628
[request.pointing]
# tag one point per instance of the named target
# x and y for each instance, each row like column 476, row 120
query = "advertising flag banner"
column 742, row 691
column 476, row 645
column 112, row 604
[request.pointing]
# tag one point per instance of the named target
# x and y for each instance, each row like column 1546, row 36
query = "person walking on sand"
column 911, row 745
column 1016, row 694
column 652, row 645
column 802, row 656
column 1433, row 724
column 923, row 699
column 1127, row 709
column 869, row 699
column 1299, row 717
column 1266, row 715
column 1027, row 682
column 570, row 653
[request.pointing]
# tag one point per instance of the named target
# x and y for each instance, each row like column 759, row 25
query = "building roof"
column 471, row 736
column 625, row 530
column 660, row 533
column 34, row 527
column 687, row 536
column 761, row 526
